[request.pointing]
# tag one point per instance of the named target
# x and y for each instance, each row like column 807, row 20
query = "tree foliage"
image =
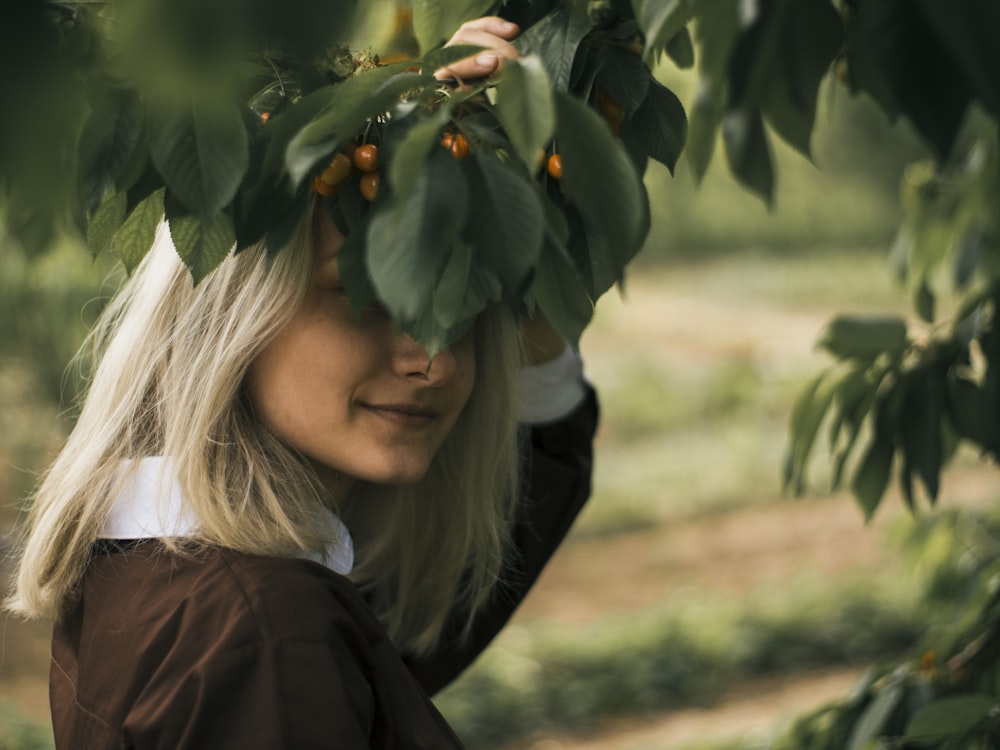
column 219, row 116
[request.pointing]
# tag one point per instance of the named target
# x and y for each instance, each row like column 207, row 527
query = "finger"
column 491, row 42
column 485, row 63
column 489, row 24
column 481, row 66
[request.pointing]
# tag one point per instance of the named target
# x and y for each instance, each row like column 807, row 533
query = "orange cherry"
column 369, row 186
column 460, row 147
column 366, row 157
column 554, row 166
column 323, row 188
column 338, row 171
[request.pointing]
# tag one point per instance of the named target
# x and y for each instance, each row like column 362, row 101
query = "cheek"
column 267, row 386
column 278, row 379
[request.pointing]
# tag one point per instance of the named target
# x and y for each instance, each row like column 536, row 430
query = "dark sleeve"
column 290, row 694
column 557, row 484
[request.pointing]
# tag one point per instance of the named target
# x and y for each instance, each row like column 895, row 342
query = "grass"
column 686, row 653
column 18, row 732
column 692, row 649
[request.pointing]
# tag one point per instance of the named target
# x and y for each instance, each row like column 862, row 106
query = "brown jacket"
column 230, row 650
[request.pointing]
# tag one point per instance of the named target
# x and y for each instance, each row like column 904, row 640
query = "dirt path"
column 736, row 553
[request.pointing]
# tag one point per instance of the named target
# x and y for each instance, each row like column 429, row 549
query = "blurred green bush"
column 18, row 732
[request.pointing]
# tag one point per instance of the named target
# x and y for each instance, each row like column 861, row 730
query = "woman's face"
column 357, row 398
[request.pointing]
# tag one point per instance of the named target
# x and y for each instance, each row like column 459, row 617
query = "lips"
column 405, row 415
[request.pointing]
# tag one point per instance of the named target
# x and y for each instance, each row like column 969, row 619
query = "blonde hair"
column 170, row 361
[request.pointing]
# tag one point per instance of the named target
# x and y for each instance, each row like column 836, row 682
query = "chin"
column 397, row 474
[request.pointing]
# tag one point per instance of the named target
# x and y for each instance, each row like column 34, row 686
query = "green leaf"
column 107, row 219
column 409, row 156
column 305, row 27
column 921, row 425
column 345, row 110
column 283, row 127
column 854, row 398
column 507, row 220
column 560, row 294
column 524, row 107
column 410, row 241
column 923, row 301
column 107, row 143
column 749, row 153
column 662, row 22
column 282, row 229
column 864, row 337
column 598, row 268
column 875, row 717
column 899, row 58
column 450, row 292
column 202, row 151
column 434, row 21
column 872, row 476
column 715, row 31
column 624, row 77
column 680, row 49
column 967, row 29
column 135, row 237
column 464, row 289
column 599, row 178
column 969, row 254
column 555, row 40
column 660, row 125
column 949, row 718
column 807, row 415
column 202, row 243
column 779, row 61
column 967, row 410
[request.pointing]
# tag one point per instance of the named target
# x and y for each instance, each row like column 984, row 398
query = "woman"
column 268, row 503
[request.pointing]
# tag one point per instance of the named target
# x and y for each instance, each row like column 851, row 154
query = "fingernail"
column 487, row 61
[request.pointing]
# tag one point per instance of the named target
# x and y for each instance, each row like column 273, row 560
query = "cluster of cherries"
column 365, row 159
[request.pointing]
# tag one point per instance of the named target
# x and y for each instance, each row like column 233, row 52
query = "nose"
column 410, row 361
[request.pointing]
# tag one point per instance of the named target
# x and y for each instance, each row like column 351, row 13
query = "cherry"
column 366, row 157
column 340, row 167
column 554, row 166
column 369, row 185
column 323, row 188
column 460, row 146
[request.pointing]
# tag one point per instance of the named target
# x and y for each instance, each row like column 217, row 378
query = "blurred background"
column 694, row 605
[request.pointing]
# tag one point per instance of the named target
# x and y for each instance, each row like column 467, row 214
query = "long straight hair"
column 170, row 359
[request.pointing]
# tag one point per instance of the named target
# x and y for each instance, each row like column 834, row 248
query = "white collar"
column 151, row 505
